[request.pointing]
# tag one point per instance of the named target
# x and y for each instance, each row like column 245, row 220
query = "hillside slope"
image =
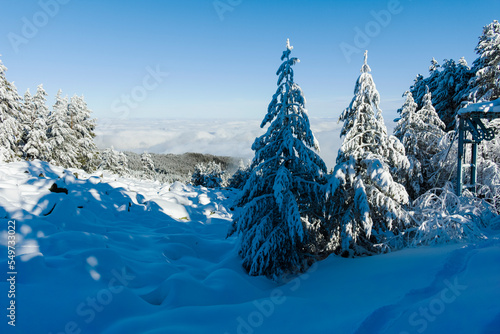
column 121, row 256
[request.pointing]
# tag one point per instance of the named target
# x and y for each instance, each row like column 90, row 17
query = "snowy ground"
column 125, row 256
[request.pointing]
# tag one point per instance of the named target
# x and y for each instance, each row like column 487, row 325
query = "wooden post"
column 460, row 155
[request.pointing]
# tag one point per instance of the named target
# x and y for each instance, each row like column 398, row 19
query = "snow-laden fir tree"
column 485, row 85
column 62, row 138
column 420, row 132
column 364, row 200
column 83, row 127
column 36, row 114
column 10, row 126
column 281, row 202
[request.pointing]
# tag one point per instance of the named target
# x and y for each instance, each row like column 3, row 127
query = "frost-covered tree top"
column 434, row 65
column 364, row 129
column 486, row 82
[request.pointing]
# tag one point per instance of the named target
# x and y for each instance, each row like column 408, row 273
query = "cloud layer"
column 219, row 137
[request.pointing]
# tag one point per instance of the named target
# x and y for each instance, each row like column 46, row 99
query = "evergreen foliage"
column 83, row 127
column 62, row 138
column 447, row 84
column 36, row 144
column 485, row 85
column 10, row 128
column 420, row 132
column 209, row 175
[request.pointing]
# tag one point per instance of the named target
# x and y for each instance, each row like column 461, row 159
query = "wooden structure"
column 472, row 131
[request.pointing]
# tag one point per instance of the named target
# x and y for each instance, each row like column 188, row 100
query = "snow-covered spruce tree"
column 420, row 132
column 364, row 200
column 62, row 139
column 83, row 127
column 485, row 85
column 36, row 114
column 281, row 202
column 10, row 125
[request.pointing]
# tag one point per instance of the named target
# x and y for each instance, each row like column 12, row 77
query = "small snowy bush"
column 208, row 175
column 443, row 217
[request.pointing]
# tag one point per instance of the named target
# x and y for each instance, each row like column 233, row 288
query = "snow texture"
column 120, row 256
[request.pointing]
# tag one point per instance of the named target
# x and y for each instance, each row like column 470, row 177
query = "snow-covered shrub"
column 208, row 175
column 442, row 216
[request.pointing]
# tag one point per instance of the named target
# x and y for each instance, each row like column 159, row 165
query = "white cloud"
column 219, row 137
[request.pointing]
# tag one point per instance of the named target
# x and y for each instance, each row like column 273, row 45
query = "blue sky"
column 221, row 63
